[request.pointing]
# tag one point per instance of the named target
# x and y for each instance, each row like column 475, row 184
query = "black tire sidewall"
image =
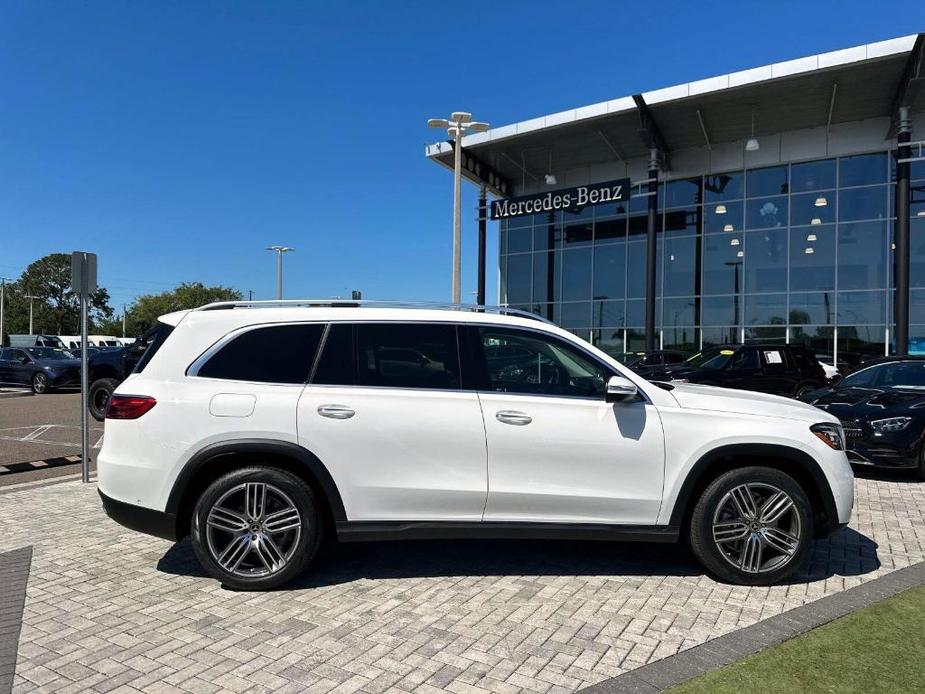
column 107, row 384
column 701, row 526
column 303, row 498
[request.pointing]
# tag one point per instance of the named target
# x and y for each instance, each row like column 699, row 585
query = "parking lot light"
column 279, row 267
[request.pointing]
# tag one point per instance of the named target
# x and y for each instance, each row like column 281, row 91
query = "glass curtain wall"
column 797, row 252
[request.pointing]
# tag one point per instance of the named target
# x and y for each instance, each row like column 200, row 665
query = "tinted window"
column 773, row 360
column 274, row 354
column 407, row 356
column 532, row 364
column 745, row 359
column 335, row 365
column 151, row 341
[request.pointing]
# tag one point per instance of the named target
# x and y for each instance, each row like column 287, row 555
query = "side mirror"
column 619, row 389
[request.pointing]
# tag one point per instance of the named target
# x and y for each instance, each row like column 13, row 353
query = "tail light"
column 129, row 406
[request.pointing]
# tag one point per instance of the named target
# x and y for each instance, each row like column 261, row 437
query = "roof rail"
column 349, row 303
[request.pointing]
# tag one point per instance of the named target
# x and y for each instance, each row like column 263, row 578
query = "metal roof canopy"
column 848, row 85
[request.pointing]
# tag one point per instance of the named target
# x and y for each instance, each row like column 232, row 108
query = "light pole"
column 3, row 281
column 31, row 297
column 456, row 126
column 279, row 267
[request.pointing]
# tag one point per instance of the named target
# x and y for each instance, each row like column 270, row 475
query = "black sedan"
column 41, row 368
column 882, row 409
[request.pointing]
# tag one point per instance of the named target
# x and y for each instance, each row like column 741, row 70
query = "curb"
column 11, row 468
column 732, row 647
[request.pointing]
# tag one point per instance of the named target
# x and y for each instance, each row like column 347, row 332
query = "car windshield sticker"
column 726, row 352
column 773, row 358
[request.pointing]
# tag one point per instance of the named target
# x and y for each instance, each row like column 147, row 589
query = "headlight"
column 830, row 434
column 890, row 424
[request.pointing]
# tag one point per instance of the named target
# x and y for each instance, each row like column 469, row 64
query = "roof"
column 841, row 86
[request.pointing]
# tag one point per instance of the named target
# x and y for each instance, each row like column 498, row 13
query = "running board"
column 374, row 531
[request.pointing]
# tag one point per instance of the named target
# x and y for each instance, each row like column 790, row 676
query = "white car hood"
column 715, row 399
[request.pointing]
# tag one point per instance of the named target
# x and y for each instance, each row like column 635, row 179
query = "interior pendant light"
column 752, row 144
column 821, row 201
column 720, row 209
column 728, row 227
column 810, row 237
column 550, row 177
column 815, row 221
column 734, row 242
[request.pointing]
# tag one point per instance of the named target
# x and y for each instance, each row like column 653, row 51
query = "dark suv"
column 777, row 369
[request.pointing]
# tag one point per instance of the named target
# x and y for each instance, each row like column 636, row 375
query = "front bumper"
column 144, row 520
column 899, row 450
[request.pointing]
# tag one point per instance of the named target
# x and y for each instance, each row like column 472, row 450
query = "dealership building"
column 783, row 204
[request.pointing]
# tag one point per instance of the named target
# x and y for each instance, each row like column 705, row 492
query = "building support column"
column 483, row 223
column 651, row 245
column 901, row 235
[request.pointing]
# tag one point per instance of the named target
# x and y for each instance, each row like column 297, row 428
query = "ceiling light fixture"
column 810, row 237
column 752, row 144
column 734, row 242
column 815, row 221
column 808, row 251
column 720, row 209
column 550, row 178
column 740, row 254
column 728, row 227
column 821, row 201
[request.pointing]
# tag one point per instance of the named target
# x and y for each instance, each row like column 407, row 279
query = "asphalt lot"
column 39, row 428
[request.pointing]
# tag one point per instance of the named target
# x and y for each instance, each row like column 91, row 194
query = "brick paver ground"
column 111, row 610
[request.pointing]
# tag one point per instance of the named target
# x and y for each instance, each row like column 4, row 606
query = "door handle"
column 335, row 411
column 518, row 419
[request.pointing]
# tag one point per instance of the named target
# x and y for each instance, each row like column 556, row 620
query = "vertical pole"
column 650, row 249
column 901, row 235
column 123, row 320
column 2, row 292
column 457, row 213
column 483, row 223
column 279, row 275
column 30, row 316
column 84, row 377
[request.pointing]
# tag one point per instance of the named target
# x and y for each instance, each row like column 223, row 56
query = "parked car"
column 41, row 368
column 882, row 409
column 73, row 341
column 775, row 369
column 35, row 341
column 261, row 431
column 108, row 367
column 645, row 363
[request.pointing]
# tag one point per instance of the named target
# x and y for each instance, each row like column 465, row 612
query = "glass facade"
column 796, row 253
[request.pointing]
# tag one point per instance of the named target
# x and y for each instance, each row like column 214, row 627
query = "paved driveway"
column 108, row 609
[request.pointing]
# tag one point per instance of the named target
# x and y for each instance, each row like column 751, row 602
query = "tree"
column 144, row 312
column 56, row 310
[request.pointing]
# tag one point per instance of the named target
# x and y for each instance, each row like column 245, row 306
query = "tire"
column 40, row 383
column 240, row 548
column 920, row 470
column 752, row 552
column 98, row 398
column 803, row 390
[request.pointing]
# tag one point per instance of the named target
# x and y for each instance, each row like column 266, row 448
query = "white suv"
column 262, row 430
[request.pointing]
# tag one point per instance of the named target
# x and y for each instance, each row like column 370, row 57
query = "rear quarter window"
column 270, row 354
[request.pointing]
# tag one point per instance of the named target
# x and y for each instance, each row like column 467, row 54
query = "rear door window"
column 335, row 364
column 407, row 355
column 270, row 354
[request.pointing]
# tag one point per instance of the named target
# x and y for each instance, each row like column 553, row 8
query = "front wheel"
column 752, row 526
column 40, row 383
column 256, row 528
column 802, row 390
column 98, row 397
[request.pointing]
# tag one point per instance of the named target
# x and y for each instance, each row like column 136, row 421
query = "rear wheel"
column 256, row 528
column 803, row 390
column 40, row 383
column 752, row 526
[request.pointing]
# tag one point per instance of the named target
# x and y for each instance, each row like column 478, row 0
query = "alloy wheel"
column 40, row 383
column 756, row 527
column 253, row 530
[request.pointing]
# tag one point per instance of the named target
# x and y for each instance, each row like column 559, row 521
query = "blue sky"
column 177, row 139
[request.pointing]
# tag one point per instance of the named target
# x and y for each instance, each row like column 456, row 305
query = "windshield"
column 634, row 359
column 897, row 374
column 715, row 358
column 49, row 353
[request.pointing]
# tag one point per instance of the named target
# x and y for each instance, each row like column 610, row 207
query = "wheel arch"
column 215, row 460
column 798, row 464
